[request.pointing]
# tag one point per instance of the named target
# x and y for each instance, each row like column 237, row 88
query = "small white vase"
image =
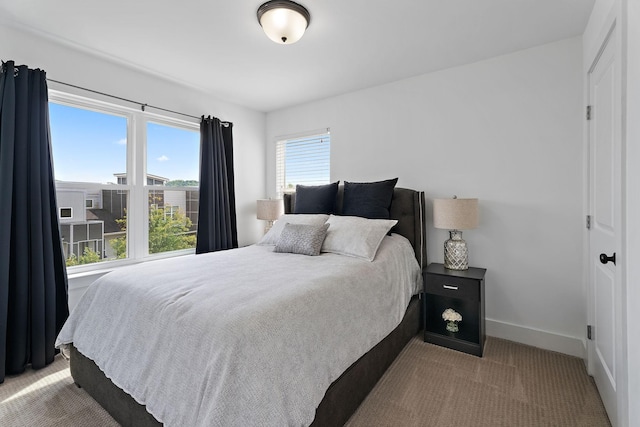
column 452, row 326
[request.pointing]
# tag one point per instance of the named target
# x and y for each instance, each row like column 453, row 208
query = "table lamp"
column 269, row 210
column 455, row 215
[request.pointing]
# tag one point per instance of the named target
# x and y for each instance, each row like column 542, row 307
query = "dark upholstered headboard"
column 407, row 206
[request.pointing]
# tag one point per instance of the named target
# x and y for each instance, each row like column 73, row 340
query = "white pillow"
column 356, row 236
column 272, row 236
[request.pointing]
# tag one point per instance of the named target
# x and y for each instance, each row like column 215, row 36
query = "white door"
column 604, row 237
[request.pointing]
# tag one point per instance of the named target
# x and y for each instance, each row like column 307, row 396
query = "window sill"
column 99, row 269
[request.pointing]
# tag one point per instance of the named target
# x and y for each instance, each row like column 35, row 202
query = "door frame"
column 610, row 33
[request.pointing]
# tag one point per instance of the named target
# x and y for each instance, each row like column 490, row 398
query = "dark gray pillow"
column 304, row 239
column 368, row 199
column 316, row 199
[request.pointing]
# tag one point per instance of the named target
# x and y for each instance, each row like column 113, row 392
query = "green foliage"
column 166, row 233
column 182, row 183
column 119, row 246
column 89, row 256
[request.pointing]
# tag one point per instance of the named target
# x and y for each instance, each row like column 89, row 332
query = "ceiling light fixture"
column 283, row 21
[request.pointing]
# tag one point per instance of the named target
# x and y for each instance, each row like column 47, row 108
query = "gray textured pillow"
column 304, row 239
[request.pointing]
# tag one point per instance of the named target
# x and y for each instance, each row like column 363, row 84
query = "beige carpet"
column 47, row 398
column 512, row 385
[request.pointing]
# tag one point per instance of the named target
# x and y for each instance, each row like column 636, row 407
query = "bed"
column 341, row 395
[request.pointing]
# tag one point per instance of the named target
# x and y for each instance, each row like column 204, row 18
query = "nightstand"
column 462, row 291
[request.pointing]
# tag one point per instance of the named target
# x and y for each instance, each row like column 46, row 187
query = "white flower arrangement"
column 450, row 315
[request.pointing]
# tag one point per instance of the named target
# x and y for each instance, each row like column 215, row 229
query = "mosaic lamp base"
column 456, row 254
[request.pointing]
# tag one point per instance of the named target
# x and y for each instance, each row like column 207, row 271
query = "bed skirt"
column 341, row 400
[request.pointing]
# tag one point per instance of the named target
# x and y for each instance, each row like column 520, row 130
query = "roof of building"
column 156, row 177
column 110, row 224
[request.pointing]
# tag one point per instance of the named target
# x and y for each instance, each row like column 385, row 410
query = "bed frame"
column 346, row 393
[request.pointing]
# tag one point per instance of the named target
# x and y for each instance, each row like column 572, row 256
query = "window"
column 173, row 156
column 66, row 212
column 89, row 151
column 117, row 169
column 304, row 160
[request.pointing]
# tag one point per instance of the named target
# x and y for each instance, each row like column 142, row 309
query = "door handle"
column 605, row 259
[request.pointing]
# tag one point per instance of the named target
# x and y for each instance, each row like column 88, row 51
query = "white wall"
column 592, row 39
column 84, row 69
column 506, row 130
column 176, row 198
column 74, row 199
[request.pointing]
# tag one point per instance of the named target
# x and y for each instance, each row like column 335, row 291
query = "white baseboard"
column 534, row 337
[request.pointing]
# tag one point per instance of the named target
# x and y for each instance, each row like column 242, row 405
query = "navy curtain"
column 33, row 278
column 217, row 227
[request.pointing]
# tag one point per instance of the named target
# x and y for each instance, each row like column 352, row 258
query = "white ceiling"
column 219, row 47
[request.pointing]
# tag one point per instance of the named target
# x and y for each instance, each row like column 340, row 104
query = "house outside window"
column 304, row 160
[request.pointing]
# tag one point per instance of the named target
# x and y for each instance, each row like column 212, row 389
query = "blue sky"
column 90, row 147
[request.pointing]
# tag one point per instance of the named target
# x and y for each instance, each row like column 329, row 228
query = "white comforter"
column 245, row 337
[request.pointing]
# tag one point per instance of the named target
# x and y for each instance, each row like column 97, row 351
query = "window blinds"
column 304, row 161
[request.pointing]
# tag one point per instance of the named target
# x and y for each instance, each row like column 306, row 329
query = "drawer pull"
column 451, row 287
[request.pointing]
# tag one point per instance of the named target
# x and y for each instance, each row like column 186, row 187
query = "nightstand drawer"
column 453, row 287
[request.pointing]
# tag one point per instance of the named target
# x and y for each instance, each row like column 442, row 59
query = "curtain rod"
column 141, row 104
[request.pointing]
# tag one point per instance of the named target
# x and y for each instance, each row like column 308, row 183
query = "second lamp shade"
column 455, row 214
column 269, row 209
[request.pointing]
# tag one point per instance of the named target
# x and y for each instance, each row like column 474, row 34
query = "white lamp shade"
column 270, row 209
column 455, row 214
column 283, row 25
